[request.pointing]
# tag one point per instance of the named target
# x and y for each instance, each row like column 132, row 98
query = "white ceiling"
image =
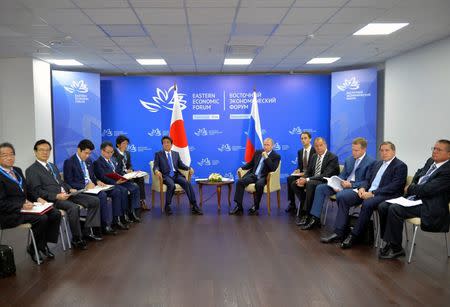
column 196, row 35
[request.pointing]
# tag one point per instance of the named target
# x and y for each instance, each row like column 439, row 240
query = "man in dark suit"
column 79, row 174
column 166, row 164
column 106, row 164
column 355, row 170
column 304, row 155
column 13, row 198
column 44, row 181
column 123, row 158
column 385, row 180
column 323, row 164
column 262, row 163
column 431, row 184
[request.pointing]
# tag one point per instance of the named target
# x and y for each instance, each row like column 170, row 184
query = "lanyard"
column 18, row 181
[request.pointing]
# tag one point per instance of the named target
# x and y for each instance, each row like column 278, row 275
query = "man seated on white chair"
column 166, row 166
column 262, row 163
column 431, row 184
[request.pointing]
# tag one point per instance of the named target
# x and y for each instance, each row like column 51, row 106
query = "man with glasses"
column 431, row 185
column 44, row 181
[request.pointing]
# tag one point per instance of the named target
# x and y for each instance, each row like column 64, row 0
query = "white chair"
column 159, row 186
column 415, row 221
column 272, row 185
column 30, row 235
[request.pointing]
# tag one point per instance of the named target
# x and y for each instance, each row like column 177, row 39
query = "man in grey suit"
column 166, row 165
column 44, row 181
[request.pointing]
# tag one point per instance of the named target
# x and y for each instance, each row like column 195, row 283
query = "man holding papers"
column 351, row 177
column 79, row 174
column 123, row 158
column 13, row 198
column 431, row 185
column 323, row 164
column 167, row 162
column 105, row 166
column 45, row 181
column 303, row 157
column 385, row 179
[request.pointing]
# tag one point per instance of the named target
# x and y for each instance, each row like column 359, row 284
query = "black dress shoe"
column 253, row 211
column 313, row 222
column 385, row 249
column 47, row 253
column 121, row 226
column 290, row 209
column 34, row 257
column 134, row 217
column 92, row 237
column 334, row 237
column 79, row 244
column 348, row 242
column 302, row 221
column 196, row 210
column 238, row 210
column 108, row 230
column 168, row 210
column 392, row 253
column 126, row 219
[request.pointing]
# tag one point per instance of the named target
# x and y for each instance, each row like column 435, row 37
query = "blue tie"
column 352, row 176
column 259, row 168
column 112, row 165
column 85, row 172
column 376, row 181
column 427, row 176
column 169, row 157
column 50, row 169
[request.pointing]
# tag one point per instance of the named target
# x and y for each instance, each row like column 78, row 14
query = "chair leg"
column 278, row 198
column 153, row 199
column 1, row 235
column 415, row 228
column 34, row 245
column 376, row 226
column 406, row 231
column 324, row 221
column 66, row 229
column 178, row 199
column 446, row 244
column 268, row 203
column 161, row 201
column 61, row 235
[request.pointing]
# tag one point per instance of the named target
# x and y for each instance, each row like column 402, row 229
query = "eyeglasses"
column 437, row 149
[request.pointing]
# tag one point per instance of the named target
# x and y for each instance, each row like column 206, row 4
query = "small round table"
column 218, row 185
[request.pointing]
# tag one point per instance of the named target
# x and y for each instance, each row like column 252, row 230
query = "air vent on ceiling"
column 241, row 49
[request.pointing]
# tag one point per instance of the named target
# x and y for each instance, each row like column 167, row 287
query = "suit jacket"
column 329, row 168
column 124, row 164
column 269, row 165
column 435, row 196
column 74, row 175
column 12, row 199
column 392, row 182
column 101, row 168
column 161, row 163
column 312, row 151
column 361, row 171
column 42, row 183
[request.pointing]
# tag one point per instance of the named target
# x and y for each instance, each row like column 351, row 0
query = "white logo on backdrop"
column 229, row 175
column 224, row 147
column 295, row 130
column 77, row 87
column 164, row 99
column 349, row 84
column 132, row 148
column 295, row 162
column 277, row 146
column 201, row 132
column 204, row 162
column 155, row 132
column 107, row 132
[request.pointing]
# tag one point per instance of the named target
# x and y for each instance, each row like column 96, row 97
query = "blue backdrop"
column 76, row 111
column 215, row 110
column 353, row 110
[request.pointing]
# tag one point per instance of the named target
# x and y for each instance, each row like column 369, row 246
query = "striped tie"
column 318, row 166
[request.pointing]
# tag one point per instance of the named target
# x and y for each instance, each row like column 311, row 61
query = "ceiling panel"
column 122, row 16
column 159, row 16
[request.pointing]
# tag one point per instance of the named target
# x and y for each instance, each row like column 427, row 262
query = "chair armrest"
column 241, row 172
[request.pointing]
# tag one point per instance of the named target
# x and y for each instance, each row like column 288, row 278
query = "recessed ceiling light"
column 151, row 61
column 237, row 61
column 322, row 60
column 67, row 62
column 380, row 28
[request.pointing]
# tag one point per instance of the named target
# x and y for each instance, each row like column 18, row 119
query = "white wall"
column 417, row 101
column 25, row 105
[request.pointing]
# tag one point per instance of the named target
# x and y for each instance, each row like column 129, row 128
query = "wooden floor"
column 221, row 260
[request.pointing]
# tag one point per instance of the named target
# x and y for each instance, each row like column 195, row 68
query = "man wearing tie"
column 431, row 184
column 385, row 180
column 262, row 163
column 14, row 198
column 44, row 181
column 353, row 174
column 166, row 164
column 303, row 157
column 106, row 164
column 323, row 164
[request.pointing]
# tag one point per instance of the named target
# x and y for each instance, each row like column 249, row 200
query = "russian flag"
column 177, row 131
column 254, row 135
